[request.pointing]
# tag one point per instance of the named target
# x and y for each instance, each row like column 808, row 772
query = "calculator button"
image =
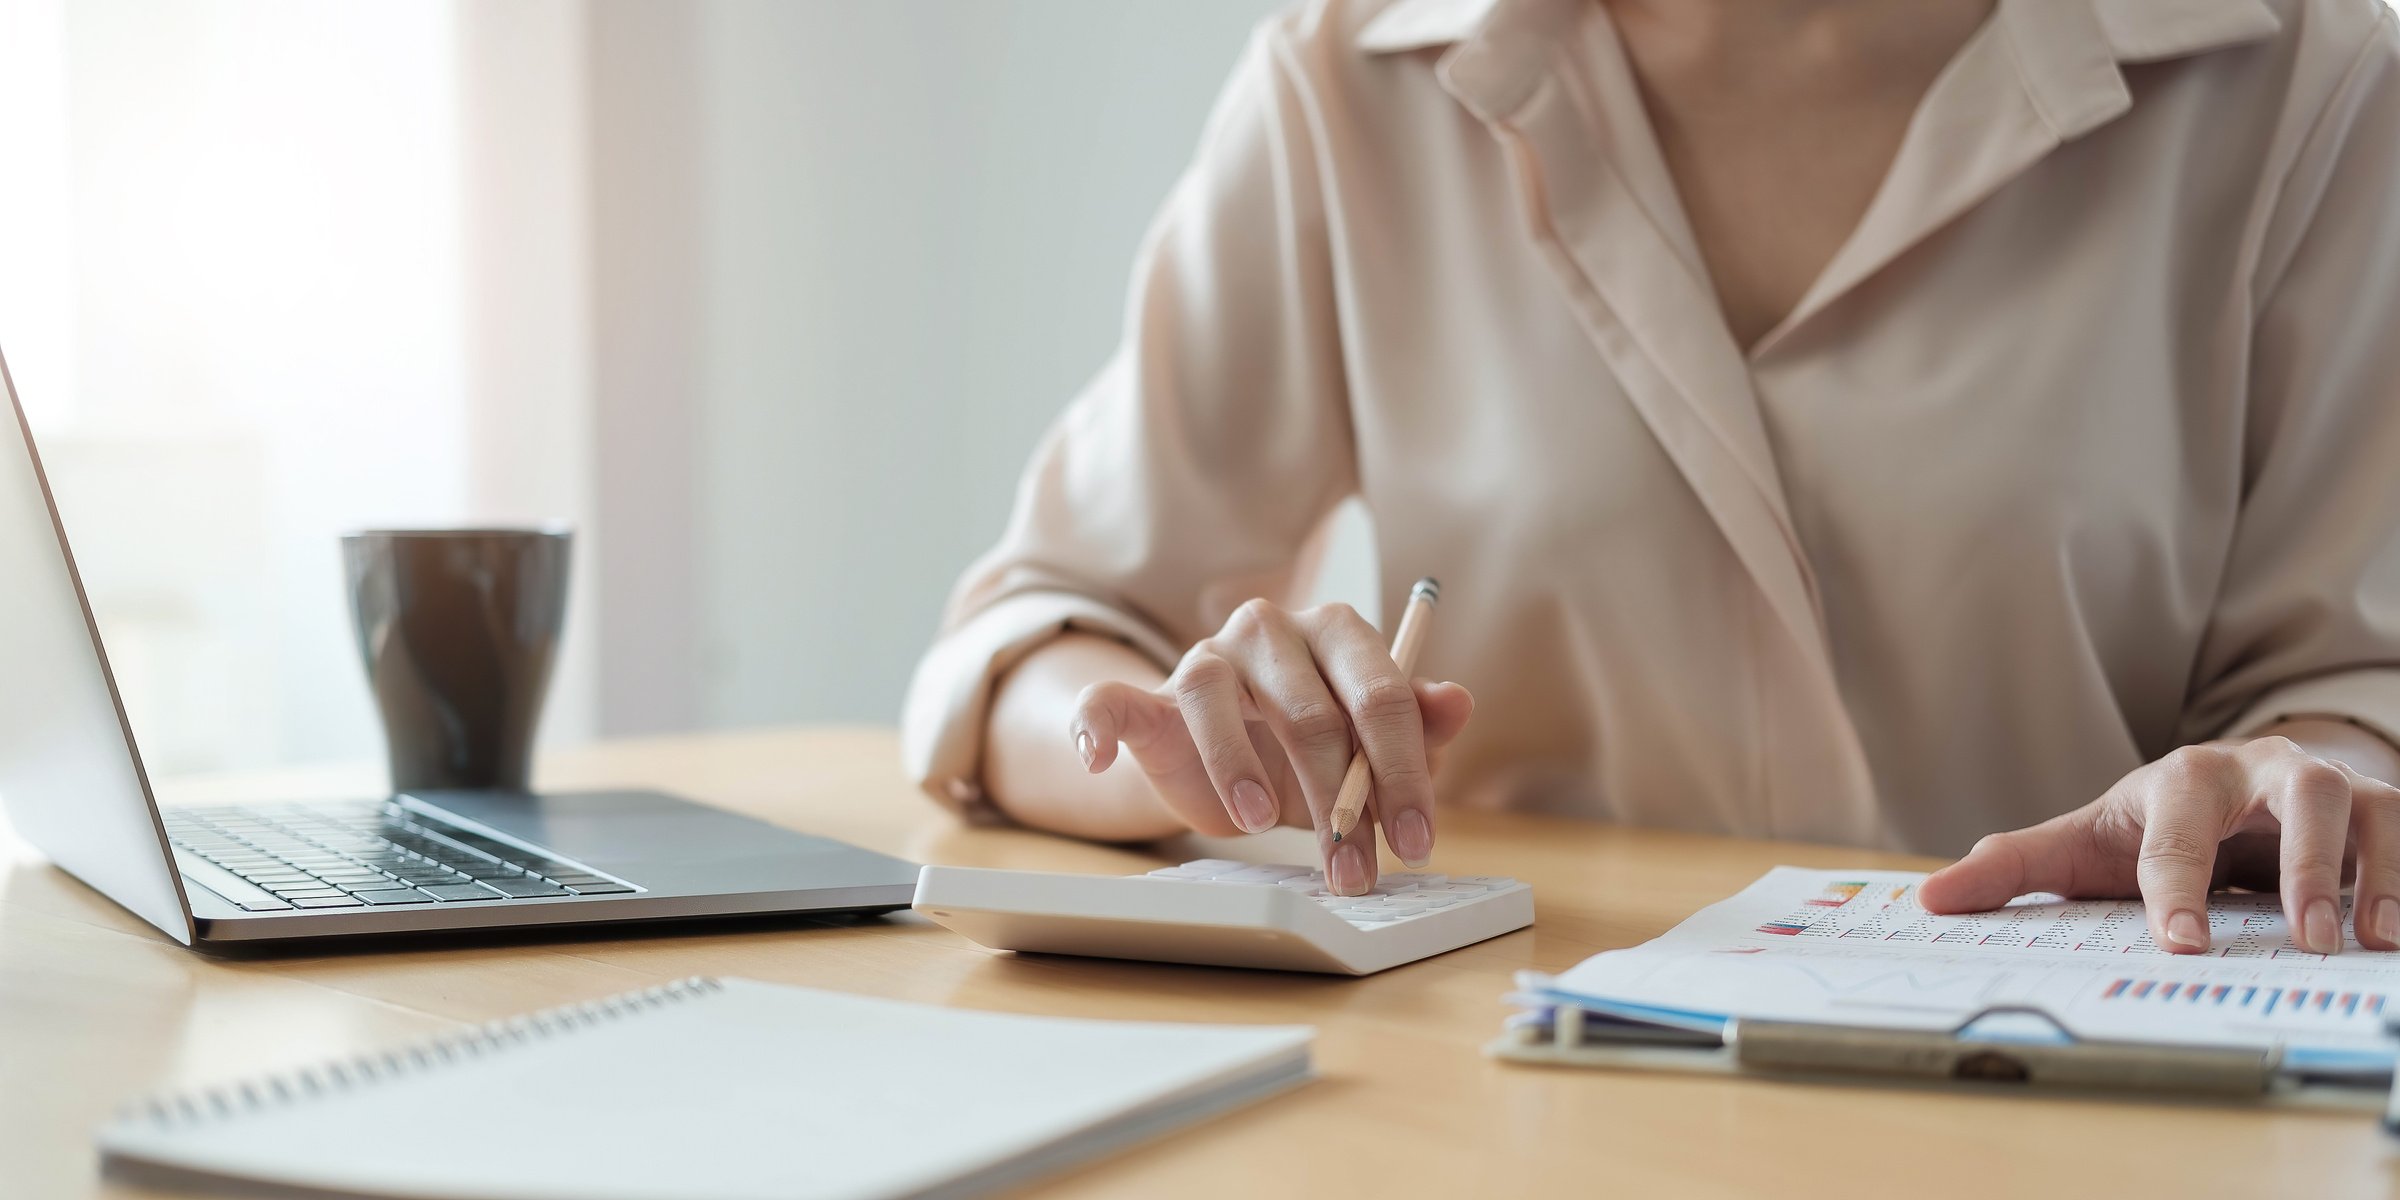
column 1261, row 875
column 1396, row 898
column 1455, row 888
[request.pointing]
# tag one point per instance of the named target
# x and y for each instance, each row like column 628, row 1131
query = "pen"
column 1415, row 621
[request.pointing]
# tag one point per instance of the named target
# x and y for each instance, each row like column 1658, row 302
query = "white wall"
column 524, row 304
column 914, row 225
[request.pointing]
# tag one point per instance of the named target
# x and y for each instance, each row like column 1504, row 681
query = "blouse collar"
column 2069, row 51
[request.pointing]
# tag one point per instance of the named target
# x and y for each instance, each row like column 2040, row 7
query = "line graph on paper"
column 1929, row 987
column 1824, row 984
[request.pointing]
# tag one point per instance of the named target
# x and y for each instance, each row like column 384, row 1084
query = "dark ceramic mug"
column 458, row 629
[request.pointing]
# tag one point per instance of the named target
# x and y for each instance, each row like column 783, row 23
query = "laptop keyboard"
column 302, row 856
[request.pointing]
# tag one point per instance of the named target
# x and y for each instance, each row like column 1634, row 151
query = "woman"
column 1873, row 421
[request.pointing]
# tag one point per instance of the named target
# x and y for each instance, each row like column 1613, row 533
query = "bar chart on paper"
column 1856, row 948
column 2251, row 999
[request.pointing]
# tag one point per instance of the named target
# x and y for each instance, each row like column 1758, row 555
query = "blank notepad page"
column 720, row 1088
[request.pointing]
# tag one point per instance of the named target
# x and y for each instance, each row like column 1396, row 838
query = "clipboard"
column 1808, row 1052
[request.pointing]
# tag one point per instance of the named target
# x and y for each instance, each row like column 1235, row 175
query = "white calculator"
column 1226, row 914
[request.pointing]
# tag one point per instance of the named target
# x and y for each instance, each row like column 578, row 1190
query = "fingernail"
column 1349, row 871
column 1253, row 809
column 1085, row 746
column 2386, row 921
column 2187, row 929
column 1412, row 837
column 2323, row 924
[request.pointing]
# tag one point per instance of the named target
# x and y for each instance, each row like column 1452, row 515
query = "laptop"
column 235, row 877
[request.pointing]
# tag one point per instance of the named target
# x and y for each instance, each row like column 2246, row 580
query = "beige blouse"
column 2085, row 445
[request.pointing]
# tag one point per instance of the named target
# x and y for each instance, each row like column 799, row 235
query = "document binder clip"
column 2391, row 1107
column 2053, row 1060
column 1790, row 1047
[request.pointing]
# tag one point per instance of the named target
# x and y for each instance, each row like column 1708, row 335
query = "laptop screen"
column 70, row 776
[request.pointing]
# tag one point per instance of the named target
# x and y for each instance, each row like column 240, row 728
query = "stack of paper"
column 1854, row 948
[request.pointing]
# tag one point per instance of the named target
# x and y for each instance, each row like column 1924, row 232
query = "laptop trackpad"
column 659, row 840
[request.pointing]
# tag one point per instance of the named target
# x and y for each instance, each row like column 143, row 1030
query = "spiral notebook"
column 710, row 1087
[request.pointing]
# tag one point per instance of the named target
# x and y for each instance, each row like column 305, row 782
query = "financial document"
column 1855, row 948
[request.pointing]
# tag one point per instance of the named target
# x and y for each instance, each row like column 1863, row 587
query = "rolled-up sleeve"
column 1195, row 470
column 2307, row 622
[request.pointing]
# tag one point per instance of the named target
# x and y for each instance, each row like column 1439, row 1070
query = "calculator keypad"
column 1395, row 898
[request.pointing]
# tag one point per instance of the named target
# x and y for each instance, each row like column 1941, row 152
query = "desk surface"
column 95, row 1008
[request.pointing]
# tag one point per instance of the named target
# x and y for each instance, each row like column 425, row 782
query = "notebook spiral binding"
column 365, row 1069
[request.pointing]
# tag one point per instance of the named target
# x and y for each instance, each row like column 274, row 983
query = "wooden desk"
column 95, row 1008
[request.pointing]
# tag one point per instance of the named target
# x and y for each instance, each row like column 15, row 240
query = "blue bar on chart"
column 2264, row 1000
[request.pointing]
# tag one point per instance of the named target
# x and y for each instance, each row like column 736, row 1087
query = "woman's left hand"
column 2263, row 814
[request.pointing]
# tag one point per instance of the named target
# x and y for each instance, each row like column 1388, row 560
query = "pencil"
column 1415, row 621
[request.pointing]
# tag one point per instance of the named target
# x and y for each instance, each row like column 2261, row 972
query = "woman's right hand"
column 1257, row 725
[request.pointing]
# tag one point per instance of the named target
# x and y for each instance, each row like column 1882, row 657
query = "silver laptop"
column 72, row 782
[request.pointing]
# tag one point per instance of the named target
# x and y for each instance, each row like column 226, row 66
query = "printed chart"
column 1855, row 948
